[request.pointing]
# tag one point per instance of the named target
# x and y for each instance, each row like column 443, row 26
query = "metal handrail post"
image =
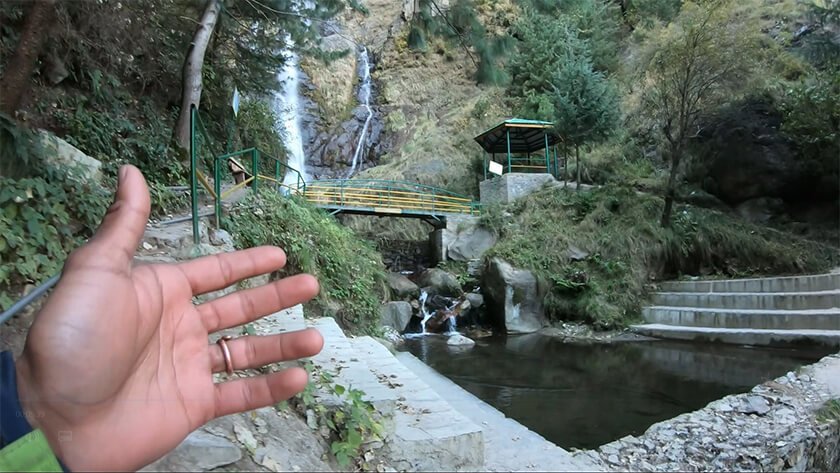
column 507, row 132
column 547, row 164
column 193, row 178
column 217, row 187
column 254, row 171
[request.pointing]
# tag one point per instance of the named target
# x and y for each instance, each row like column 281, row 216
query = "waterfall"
column 364, row 99
column 426, row 315
column 287, row 106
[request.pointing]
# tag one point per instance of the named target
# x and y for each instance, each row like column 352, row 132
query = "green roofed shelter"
column 517, row 136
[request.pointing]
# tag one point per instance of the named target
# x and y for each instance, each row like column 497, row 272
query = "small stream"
column 585, row 395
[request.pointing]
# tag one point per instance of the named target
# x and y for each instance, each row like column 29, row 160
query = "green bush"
column 42, row 219
column 349, row 269
column 628, row 249
column 107, row 129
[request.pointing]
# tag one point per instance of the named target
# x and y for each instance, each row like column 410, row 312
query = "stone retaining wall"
column 780, row 425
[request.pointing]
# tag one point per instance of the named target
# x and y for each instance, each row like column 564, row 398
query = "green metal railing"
column 256, row 155
column 524, row 164
column 383, row 196
column 280, row 170
column 407, row 196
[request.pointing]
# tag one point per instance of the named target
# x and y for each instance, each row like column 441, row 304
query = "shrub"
column 349, row 269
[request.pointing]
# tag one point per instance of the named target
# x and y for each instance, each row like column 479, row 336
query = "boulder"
column 471, row 243
column 438, row 282
column 476, row 300
column 514, row 297
column 395, row 314
column 219, row 237
column 576, row 254
column 746, row 156
column 459, row 340
column 402, row 287
column 200, row 451
column 81, row 166
column 760, row 210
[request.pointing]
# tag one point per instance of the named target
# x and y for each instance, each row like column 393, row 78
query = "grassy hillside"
column 628, row 250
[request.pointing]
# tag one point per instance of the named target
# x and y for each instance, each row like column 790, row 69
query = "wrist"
column 28, row 409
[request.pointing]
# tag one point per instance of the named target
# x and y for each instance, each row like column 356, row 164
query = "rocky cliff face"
column 745, row 160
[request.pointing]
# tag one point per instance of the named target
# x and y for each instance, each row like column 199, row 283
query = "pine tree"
column 585, row 104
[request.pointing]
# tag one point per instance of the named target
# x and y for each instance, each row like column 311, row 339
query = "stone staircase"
column 763, row 311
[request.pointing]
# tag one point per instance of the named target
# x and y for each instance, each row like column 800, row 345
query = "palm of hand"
column 117, row 368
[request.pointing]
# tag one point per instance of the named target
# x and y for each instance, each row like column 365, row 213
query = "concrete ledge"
column 818, row 319
column 429, row 435
column 780, row 425
column 773, row 338
column 809, row 283
column 508, row 445
column 751, row 300
column 340, row 358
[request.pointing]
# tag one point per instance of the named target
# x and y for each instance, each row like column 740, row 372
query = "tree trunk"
column 670, row 191
column 18, row 72
column 577, row 161
column 191, row 73
column 565, row 166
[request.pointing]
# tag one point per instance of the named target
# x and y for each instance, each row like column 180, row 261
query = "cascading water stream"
column 364, row 99
column 287, row 106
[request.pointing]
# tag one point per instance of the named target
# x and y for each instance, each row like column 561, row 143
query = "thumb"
column 125, row 222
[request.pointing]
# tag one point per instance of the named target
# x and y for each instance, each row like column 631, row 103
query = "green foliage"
column 460, row 270
column 461, row 25
column 352, row 423
column 646, row 13
column 20, row 150
column 585, row 105
column 166, row 201
column 596, row 22
column 350, row 271
column 43, row 218
column 829, row 412
column 703, row 59
column 109, row 130
column 544, row 43
column 822, row 46
column 812, row 120
column 627, row 249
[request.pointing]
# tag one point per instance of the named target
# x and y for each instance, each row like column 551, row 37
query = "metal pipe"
column 508, row 148
column 193, row 179
column 184, row 219
column 27, row 299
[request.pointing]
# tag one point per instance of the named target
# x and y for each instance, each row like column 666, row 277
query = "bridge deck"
column 387, row 198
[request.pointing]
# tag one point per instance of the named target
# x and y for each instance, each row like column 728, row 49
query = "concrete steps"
column 751, row 300
column 757, row 311
column 761, row 337
column 811, row 283
column 822, row 319
column 424, row 433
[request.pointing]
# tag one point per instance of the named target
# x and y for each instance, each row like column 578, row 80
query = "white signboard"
column 496, row 168
column 235, row 102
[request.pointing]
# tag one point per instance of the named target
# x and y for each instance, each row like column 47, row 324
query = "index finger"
column 215, row 272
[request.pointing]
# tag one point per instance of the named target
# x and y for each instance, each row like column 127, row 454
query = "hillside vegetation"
column 350, row 271
column 620, row 249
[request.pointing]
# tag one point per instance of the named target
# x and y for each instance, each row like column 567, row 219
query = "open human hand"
column 118, row 368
